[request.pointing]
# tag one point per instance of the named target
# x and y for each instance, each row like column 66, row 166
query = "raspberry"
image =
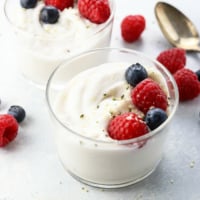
column 173, row 59
column 126, row 126
column 97, row 11
column 132, row 27
column 8, row 129
column 148, row 94
column 188, row 84
column 60, row 4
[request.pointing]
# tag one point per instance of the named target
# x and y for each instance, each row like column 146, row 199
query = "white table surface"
column 29, row 167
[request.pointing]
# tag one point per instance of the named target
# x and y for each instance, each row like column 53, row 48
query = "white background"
column 29, row 167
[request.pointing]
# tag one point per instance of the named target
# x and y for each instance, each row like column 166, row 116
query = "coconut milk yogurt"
column 85, row 105
column 40, row 47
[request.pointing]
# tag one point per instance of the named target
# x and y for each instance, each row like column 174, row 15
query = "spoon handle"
column 196, row 49
column 191, row 49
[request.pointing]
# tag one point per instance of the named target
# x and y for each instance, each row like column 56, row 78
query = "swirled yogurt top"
column 94, row 96
column 70, row 23
column 64, row 36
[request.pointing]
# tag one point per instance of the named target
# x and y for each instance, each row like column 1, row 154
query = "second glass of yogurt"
column 37, row 48
column 83, row 94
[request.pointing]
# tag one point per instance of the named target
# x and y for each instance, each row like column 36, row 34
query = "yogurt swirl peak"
column 93, row 97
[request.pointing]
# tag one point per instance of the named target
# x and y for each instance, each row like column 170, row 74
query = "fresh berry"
column 60, row 4
column 49, row 15
column 173, row 59
column 97, row 11
column 148, row 94
column 8, row 129
column 17, row 112
column 132, row 27
column 155, row 117
column 28, row 3
column 198, row 74
column 188, row 84
column 135, row 74
column 126, row 126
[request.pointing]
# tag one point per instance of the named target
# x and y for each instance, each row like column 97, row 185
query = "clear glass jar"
column 107, row 164
column 38, row 48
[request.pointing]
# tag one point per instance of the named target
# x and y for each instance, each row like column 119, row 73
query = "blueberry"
column 135, row 74
column 155, row 117
column 49, row 15
column 28, row 3
column 198, row 74
column 17, row 112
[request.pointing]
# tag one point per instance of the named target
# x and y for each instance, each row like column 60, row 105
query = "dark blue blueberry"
column 17, row 112
column 28, row 3
column 49, row 15
column 155, row 117
column 198, row 74
column 135, row 74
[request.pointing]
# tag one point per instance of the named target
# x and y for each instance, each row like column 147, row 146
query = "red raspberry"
column 173, row 59
column 132, row 27
column 8, row 129
column 97, row 11
column 188, row 84
column 60, row 4
column 126, row 126
column 148, row 94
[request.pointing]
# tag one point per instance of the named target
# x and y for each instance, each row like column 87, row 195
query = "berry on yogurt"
column 148, row 97
column 28, row 3
column 127, row 126
column 135, row 74
column 60, row 4
column 155, row 117
column 97, row 11
column 148, row 94
column 49, row 15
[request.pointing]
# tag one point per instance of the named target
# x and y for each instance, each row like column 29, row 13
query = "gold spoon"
column 176, row 27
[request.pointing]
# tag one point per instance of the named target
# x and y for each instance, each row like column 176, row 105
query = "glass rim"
column 101, row 27
column 121, row 142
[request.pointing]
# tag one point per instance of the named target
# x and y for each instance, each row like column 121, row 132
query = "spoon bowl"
column 177, row 27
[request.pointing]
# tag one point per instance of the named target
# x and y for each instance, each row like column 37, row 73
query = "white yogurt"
column 86, row 105
column 93, row 97
column 39, row 47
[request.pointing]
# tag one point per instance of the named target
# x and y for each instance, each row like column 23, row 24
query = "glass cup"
column 101, row 163
column 36, row 54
